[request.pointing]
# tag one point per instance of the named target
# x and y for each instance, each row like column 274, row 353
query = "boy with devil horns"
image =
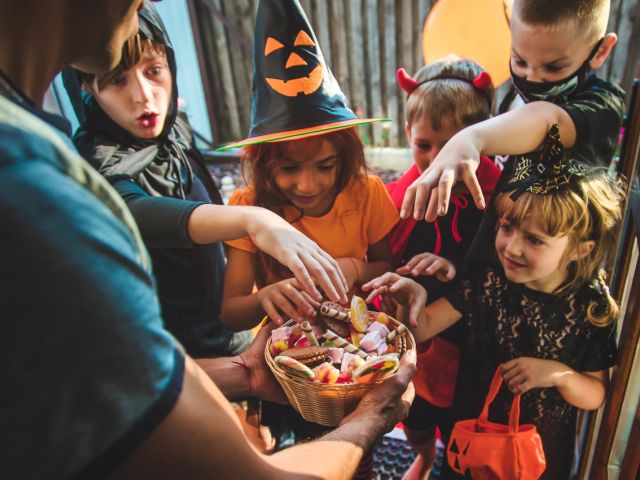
column 443, row 98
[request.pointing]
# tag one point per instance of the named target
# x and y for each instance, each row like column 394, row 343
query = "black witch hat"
column 544, row 171
column 295, row 94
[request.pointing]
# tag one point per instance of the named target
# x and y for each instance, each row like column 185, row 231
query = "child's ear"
column 583, row 250
column 603, row 52
column 407, row 129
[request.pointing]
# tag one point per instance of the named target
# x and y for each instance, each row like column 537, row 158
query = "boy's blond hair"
column 442, row 96
column 590, row 16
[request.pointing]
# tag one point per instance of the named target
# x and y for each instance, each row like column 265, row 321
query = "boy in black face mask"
column 555, row 45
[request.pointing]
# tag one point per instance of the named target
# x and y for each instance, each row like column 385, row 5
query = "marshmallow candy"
column 326, row 373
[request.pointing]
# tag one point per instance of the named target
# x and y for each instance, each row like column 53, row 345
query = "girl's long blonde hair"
column 591, row 210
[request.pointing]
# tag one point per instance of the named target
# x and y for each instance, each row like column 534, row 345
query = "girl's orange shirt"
column 362, row 215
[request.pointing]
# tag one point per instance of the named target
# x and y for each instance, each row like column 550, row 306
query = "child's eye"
column 553, row 68
column 326, row 167
column 506, row 227
column 520, row 63
column 154, row 71
column 534, row 240
column 119, row 80
column 423, row 146
column 289, row 168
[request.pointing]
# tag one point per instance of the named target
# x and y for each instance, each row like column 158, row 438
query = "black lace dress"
column 504, row 320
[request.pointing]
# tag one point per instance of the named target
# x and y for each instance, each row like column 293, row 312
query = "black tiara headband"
column 545, row 171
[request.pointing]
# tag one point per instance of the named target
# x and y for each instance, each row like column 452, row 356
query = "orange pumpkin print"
column 304, row 85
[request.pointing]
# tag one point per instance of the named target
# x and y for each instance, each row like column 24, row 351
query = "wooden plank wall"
column 364, row 42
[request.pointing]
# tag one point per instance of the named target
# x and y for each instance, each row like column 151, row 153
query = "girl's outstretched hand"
column 309, row 264
column 429, row 264
column 400, row 291
column 524, row 373
column 428, row 197
column 286, row 296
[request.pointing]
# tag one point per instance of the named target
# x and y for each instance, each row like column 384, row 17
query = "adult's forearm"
column 334, row 456
column 230, row 374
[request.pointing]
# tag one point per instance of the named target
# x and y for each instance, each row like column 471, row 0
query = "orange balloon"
column 473, row 29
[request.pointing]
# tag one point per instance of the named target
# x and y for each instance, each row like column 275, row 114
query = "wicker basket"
column 319, row 402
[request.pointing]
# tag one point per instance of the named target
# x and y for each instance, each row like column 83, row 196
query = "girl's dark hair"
column 590, row 211
column 259, row 162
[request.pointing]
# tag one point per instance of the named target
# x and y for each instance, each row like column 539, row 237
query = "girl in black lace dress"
column 543, row 311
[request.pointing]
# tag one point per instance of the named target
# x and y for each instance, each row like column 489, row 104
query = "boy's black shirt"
column 596, row 111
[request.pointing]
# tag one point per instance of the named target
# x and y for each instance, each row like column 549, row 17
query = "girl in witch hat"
column 543, row 311
column 305, row 161
column 443, row 98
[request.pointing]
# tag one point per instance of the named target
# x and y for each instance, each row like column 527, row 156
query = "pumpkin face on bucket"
column 312, row 71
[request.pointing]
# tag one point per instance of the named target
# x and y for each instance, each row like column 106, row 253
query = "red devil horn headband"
column 406, row 81
column 481, row 82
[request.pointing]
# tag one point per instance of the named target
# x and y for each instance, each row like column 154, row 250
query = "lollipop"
column 359, row 314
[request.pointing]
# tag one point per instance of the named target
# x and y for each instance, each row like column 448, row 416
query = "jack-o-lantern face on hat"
column 312, row 72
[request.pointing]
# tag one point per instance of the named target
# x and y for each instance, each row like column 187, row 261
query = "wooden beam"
column 629, row 336
column 631, row 462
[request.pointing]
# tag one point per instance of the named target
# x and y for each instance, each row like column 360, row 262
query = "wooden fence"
column 364, row 42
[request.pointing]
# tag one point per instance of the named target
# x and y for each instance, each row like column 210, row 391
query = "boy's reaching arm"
column 518, row 131
column 585, row 390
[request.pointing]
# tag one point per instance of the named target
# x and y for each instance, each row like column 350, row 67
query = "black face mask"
column 556, row 91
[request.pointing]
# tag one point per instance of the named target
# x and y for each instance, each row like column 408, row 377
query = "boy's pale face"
column 425, row 142
column 540, row 54
column 138, row 100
